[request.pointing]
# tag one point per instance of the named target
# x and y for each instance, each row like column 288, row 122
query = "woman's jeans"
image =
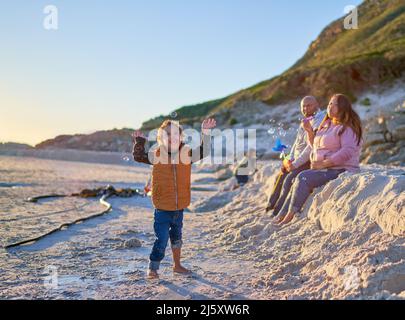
column 303, row 186
column 167, row 225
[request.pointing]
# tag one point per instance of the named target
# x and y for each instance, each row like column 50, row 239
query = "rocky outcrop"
column 385, row 138
column 118, row 140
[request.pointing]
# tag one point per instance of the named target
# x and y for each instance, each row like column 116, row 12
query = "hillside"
column 339, row 60
column 188, row 114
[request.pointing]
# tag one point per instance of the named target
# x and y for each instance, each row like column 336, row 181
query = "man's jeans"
column 303, row 186
column 242, row 179
column 282, row 188
column 167, row 225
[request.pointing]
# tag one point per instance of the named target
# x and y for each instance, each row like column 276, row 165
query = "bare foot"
column 288, row 218
column 181, row 269
column 152, row 274
column 277, row 221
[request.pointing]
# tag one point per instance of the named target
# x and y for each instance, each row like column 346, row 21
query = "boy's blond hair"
column 166, row 124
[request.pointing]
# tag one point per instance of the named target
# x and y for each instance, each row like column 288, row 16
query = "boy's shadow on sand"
column 65, row 235
column 199, row 296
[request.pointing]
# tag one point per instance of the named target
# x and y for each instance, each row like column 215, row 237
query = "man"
column 299, row 156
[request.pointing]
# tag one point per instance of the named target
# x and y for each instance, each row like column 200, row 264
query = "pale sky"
column 118, row 63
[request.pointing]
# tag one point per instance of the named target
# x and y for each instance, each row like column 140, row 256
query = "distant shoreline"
column 102, row 157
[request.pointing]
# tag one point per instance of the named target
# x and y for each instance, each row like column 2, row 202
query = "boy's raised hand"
column 207, row 125
column 138, row 133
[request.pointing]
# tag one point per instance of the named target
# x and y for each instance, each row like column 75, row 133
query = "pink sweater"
column 342, row 150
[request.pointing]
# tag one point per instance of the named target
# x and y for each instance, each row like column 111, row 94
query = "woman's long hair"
column 348, row 117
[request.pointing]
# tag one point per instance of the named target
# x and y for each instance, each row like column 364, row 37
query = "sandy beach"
column 330, row 252
column 91, row 258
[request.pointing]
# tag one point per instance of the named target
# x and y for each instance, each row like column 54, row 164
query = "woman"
column 336, row 147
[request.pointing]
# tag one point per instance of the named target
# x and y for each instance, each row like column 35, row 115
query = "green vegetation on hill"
column 187, row 114
column 339, row 60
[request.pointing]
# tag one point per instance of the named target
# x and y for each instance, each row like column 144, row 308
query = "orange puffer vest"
column 171, row 184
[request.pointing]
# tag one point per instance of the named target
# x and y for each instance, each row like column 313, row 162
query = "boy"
column 171, row 186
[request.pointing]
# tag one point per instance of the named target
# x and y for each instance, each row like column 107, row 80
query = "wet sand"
column 91, row 259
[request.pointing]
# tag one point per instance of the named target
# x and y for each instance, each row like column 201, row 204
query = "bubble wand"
column 280, row 147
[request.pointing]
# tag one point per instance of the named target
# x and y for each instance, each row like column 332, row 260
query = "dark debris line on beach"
column 104, row 192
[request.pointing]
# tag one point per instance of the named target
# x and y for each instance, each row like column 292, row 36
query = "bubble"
column 126, row 158
column 282, row 132
column 271, row 131
column 173, row 115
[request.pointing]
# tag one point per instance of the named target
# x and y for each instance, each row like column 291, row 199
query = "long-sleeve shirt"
column 301, row 149
column 141, row 155
column 342, row 149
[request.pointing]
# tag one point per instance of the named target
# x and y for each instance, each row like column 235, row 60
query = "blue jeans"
column 283, row 187
column 303, row 186
column 167, row 225
column 242, row 179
